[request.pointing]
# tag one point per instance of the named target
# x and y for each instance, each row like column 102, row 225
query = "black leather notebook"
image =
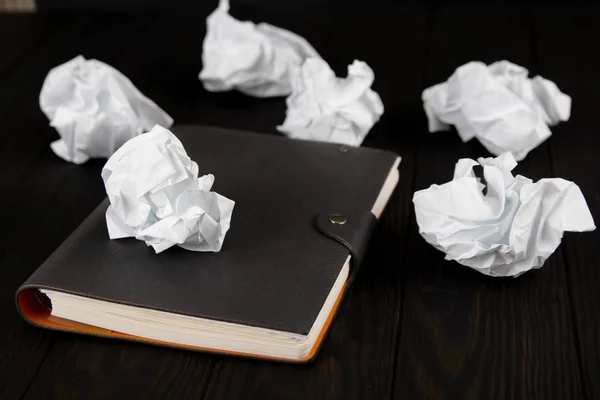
column 304, row 213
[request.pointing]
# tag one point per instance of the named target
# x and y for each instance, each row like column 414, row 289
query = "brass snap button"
column 338, row 219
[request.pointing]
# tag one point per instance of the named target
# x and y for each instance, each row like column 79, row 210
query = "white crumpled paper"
column 326, row 108
column 499, row 105
column 156, row 196
column 515, row 227
column 254, row 59
column 95, row 109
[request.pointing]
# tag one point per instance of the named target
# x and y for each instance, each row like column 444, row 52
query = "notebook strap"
column 351, row 229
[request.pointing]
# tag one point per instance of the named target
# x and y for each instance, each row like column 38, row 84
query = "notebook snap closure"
column 344, row 149
column 338, row 219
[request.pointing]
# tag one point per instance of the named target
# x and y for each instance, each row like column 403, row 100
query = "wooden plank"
column 564, row 39
column 465, row 335
column 92, row 368
column 357, row 358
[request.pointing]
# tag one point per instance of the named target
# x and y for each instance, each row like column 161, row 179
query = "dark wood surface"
column 413, row 326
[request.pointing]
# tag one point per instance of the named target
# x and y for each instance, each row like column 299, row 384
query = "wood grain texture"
column 574, row 151
column 465, row 335
column 84, row 367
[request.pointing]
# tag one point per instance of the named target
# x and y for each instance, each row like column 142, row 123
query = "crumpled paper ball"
column 254, row 59
column 326, row 108
column 497, row 104
column 156, row 196
column 95, row 109
column 511, row 228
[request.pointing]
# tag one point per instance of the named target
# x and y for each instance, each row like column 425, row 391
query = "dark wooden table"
column 413, row 326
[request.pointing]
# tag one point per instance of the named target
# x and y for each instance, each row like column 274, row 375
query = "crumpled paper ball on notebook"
column 95, row 109
column 156, row 196
column 497, row 104
column 511, row 228
column 326, row 108
column 254, row 59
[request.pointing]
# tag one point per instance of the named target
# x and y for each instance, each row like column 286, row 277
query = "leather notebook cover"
column 276, row 267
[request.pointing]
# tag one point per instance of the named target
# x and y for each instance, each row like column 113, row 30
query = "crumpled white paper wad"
column 326, row 108
column 95, row 109
column 254, row 59
column 511, row 229
column 497, row 104
column 156, row 196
